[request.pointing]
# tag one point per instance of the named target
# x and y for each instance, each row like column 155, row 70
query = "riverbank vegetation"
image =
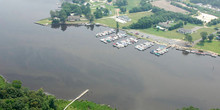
column 15, row 97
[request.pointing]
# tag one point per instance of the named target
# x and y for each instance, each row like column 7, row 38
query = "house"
column 164, row 25
column 185, row 31
column 73, row 18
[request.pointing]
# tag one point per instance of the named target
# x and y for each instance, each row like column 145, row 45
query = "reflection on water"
column 67, row 63
column 64, row 27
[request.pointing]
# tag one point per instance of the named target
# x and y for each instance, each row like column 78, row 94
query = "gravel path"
column 159, row 39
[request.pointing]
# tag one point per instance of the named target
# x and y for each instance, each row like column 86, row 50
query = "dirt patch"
column 206, row 17
column 166, row 5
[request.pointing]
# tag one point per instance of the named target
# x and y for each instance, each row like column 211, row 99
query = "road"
column 159, row 39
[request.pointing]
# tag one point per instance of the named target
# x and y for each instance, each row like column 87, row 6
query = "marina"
column 144, row 46
column 125, row 43
column 104, row 33
column 160, row 51
column 113, row 38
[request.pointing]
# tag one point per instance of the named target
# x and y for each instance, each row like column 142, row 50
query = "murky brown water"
column 65, row 63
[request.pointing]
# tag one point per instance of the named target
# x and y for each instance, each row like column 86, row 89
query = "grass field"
column 132, row 4
column 166, row 5
column 197, row 36
column 175, row 35
column 211, row 46
column 45, row 21
column 167, row 34
column 134, row 16
column 189, row 26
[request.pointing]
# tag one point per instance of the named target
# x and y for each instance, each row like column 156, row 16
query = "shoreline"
column 177, row 46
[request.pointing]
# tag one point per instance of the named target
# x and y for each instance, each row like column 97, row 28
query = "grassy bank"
column 167, row 34
column 45, row 21
column 175, row 35
column 14, row 96
column 210, row 46
column 197, row 35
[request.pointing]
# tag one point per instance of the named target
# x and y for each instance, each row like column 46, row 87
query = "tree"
column 90, row 17
column 188, row 38
column 120, row 3
column 16, row 84
column 62, row 16
column 98, row 13
column 55, row 21
column 204, row 35
column 117, row 26
column 211, row 37
column 123, row 9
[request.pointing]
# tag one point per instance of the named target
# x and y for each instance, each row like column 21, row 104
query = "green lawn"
column 108, row 22
column 211, row 46
column 189, row 26
column 197, row 36
column 134, row 16
column 175, row 35
column 44, row 21
column 132, row 4
column 167, row 34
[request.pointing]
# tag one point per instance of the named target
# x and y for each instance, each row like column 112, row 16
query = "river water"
column 66, row 61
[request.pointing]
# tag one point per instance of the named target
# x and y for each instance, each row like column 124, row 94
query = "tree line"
column 191, row 10
column 145, row 7
column 160, row 15
column 215, row 3
column 203, row 9
column 214, row 22
column 176, row 26
column 100, row 12
column 15, row 97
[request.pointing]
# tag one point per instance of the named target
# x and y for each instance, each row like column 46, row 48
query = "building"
column 164, row 25
column 124, row 18
column 73, row 18
column 185, row 31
